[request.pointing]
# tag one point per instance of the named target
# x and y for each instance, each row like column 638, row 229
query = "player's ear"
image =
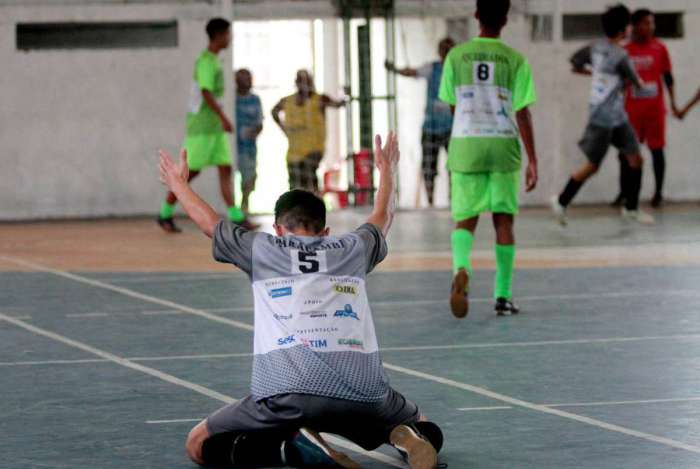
column 279, row 230
column 326, row 231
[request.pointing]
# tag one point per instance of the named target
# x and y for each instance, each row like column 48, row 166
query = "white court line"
column 407, row 371
column 87, row 315
column 607, row 403
column 496, row 407
column 171, row 278
column 52, row 362
column 545, row 409
column 177, row 381
column 156, row 422
column 191, row 357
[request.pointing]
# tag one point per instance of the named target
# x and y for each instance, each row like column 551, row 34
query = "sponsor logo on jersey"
column 314, row 343
column 317, row 330
column 345, row 289
column 286, row 340
column 314, row 314
column 346, row 312
column 279, row 282
column 282, row 317
column 352, row 343
column 312, row 302
column 280, row 292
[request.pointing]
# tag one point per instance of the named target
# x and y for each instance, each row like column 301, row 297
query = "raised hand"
column 172, row 173
column 386, row 158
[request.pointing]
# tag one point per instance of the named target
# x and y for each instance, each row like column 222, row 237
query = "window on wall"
column 669, row 25
column 541, row 28
column 103, row 35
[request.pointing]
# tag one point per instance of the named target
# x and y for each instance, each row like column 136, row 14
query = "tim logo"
column 345, row 289
column 315, row 343
column 280, row 292
column 286, row 340
column 346, row 312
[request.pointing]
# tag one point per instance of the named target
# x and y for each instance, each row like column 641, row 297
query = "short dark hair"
column 300, row 209
column 217, row 26
column 493, row 13
column 640, row 14
column 615, row 20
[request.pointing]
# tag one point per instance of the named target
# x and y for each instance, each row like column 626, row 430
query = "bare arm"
column 386, row 159
column 690, row 105
column 279, row 107
column 327, row 101
column 527, row 133
column 175, row 177
column 211, row 102
column 406, row 71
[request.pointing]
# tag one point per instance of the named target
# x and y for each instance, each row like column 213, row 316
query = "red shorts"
column 650, row 126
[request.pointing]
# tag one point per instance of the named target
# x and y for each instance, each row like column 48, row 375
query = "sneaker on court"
column 558, row 210
column 459, row 298
column 619, row 201
column 638, row 216
column 168, row 225
column 657, row 201
column 307, row 449
column 504, row 306
column 419, row 453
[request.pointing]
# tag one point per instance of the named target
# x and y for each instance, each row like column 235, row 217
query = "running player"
column 490, row 86
column 249, row 119
column 608, row 123
column 646, row 107
column 437, row 123
column 316, row 365
column 206, row 142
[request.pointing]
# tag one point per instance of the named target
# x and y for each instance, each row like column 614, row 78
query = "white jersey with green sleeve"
column 208, row 75
column 487, row 82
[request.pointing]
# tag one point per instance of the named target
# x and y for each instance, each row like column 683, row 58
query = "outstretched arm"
column 690, row 105
column 406, row 71
column 330, row 102
column 175, row 176
column 387, row 160
column 527, row 133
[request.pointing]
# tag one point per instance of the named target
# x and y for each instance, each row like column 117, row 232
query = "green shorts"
column 207, row 150
column 475, row 193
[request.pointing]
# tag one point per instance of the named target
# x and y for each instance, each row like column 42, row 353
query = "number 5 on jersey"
column 305, row 262
column 483, row 73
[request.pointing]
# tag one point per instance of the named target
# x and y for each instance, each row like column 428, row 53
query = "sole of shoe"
column 459, row 302
column 341, row 459
column 420, row 453
column 558, row 212
column 168, row 226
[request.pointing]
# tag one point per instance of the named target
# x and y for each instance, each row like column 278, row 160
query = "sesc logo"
column 346, row 312
column 345, row 289
column 352, row 343
column 280, row 292
column 315, row 343
column 286, row 340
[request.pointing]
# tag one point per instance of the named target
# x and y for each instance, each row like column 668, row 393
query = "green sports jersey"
column 487, row 82
column 208, row 75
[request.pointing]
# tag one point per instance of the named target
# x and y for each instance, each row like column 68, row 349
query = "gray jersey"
column 611, row 68
column 314, row 332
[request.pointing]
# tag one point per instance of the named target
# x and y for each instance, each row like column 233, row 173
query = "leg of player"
column 634, row 185
column 462, row 240
column 561, row 202
column 659, row 161
column 247, row 189
column 505, row 263
column 414, row 442
column 235, row 214
column 167, row 210
column 431, row 148
column 624, row 175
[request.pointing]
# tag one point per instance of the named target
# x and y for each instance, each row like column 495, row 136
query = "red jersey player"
column 646, row 107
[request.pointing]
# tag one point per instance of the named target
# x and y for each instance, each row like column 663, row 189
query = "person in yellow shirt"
column 302, row 118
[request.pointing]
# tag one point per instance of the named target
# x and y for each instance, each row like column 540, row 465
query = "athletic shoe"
column 638, row 216
column 504, row 306
column 619, row 201
column 558, row 210
column 419, row 453
column 308, row 449
column 459, row 298
column 657, row 201
column 168, row 225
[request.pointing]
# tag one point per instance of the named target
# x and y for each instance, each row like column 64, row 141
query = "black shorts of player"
column 366, row 424
column 302, row 174
column 596, row 141
column 431, row 144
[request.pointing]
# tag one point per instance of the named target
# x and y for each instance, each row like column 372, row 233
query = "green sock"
column 505, row 261
column 462, row 241
column 235, row 214
column 167, row 210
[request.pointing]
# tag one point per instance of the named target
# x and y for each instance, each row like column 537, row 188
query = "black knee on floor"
column 432, row 433
column 216, row 450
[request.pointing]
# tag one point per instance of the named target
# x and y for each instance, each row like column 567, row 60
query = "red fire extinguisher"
column 363, row 170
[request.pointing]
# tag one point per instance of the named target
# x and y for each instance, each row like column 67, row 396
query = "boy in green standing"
column 206, row 142
column 489, row 86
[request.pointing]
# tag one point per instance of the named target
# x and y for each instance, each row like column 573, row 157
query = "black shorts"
column 366, row 424
column 302, row 174
column 597, row 140
column 431, row 144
